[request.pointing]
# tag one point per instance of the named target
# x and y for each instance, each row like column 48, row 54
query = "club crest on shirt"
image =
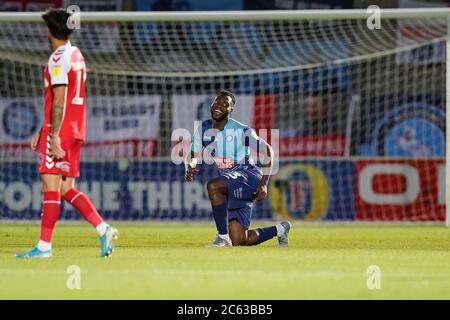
column 56, row 70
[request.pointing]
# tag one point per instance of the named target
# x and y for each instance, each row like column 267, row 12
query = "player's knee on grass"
column 238, row 240
column 238, row 234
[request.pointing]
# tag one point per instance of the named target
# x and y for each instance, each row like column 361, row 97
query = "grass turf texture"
column 169, row 261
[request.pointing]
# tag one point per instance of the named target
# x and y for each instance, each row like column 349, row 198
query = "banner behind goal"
column 361, row 112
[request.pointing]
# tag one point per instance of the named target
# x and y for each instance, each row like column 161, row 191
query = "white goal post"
column 360, row 111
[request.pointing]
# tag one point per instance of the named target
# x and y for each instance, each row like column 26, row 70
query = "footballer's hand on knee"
column 189, row 176
column 261, row 192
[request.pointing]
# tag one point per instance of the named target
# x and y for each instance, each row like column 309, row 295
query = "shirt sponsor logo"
column 224, row 162
column 63, row 166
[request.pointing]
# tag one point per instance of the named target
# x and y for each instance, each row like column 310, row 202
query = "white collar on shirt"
column 67, row 45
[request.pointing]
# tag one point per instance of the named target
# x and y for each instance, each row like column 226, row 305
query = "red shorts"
column 68, row 166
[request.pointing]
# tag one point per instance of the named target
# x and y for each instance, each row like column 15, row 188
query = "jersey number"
column 232, row 175
column 77, row 99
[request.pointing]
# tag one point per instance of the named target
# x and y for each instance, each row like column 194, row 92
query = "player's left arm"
column 265, row 153
column 59, row 81
column 59, row 94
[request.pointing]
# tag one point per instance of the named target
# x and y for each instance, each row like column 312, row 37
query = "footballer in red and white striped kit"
column 61, row 137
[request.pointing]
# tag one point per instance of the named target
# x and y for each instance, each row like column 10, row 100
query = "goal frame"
column 271, row 15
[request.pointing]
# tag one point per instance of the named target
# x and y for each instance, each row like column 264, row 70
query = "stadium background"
column 131, row 177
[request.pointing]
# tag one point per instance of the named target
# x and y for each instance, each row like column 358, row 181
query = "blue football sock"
column 266, row 234
column 220, row 214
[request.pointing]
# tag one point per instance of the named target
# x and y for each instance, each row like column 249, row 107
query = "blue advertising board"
column 314, row 190
column 143, row 190
column 410, row 130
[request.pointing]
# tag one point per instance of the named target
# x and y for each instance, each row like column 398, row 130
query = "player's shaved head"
column 56, row 21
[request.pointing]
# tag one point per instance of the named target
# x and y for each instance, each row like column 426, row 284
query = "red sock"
column 84, row 206
column 50, row 213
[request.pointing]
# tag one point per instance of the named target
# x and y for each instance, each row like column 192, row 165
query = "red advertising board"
column 29, row 5
column 400, row 190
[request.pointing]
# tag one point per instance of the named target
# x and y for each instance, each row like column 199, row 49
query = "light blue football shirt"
column 229, row 147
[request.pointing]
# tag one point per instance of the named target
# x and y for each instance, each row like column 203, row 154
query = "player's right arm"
column 190, row 162
column 190, row 165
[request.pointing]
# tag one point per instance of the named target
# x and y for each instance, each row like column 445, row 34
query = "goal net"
column 359, row 112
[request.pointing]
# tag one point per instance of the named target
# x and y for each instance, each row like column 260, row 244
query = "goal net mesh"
column 359, row 114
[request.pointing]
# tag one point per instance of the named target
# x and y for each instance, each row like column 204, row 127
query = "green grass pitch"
column 169, row 261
